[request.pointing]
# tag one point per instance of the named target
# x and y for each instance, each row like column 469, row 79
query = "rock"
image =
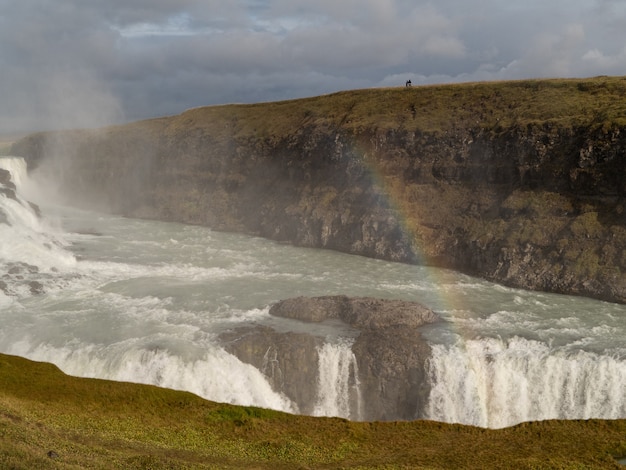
column 389, row 351
column 5, row 179
column 364, row 313
column 288, row 360
column 8, row 188
column 36, row 287
column 503, row 194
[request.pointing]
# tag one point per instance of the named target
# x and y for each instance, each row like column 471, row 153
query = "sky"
column 90, row 63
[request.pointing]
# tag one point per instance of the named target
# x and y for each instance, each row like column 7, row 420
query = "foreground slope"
column 518, row 182
column 50, row 420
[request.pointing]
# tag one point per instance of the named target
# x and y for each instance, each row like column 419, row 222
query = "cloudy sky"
column 79, row 63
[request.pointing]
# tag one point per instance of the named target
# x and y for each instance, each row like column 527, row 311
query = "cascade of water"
column 28, row 245
column 215, row 375
column 146, row 297
column 18, row 168
column 495, row 383
column 338, row 392
column 271, row 368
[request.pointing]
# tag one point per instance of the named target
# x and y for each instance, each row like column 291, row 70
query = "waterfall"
column 18, row 169
column 215, row 374
column 495, row 383
column 28, row 244
column 338, row 388
column 145, row 301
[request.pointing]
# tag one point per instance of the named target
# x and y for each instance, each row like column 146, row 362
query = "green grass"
column 101, row 424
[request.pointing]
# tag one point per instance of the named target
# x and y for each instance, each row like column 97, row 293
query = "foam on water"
column 143, row 301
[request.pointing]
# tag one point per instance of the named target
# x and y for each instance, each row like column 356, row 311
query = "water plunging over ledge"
column 144, row 301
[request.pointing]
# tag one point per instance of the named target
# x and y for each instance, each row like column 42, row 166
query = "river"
column 143, row 301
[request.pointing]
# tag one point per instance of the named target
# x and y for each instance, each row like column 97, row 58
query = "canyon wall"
column 521, row 183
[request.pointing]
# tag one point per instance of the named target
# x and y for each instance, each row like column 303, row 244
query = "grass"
column 434, row 109
column 98, row 424
column 492, row 106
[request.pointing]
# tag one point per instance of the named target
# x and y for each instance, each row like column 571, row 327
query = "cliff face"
column 521, row 183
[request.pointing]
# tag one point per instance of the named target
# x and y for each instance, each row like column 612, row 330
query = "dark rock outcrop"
column 389, row 352
column 288, row 360
column 507, row 181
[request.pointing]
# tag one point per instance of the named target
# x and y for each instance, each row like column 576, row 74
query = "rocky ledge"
column 389, row 381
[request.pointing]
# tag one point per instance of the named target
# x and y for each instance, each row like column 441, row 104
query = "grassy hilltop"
column 50, row 420
column 493, row 106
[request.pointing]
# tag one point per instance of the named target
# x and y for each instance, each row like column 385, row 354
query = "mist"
column 64, row 101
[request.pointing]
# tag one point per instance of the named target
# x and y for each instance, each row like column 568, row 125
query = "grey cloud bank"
column 73, row 63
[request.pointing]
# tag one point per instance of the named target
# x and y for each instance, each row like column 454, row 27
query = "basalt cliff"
column 522, row 183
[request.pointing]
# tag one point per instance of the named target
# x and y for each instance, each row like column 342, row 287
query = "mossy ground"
column 493, row 106
column 99, row 424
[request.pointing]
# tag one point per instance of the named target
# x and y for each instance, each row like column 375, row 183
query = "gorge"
column 521, row 183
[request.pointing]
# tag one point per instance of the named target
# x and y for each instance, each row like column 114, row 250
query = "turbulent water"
column 143, row 301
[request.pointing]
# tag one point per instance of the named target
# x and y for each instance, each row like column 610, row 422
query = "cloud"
column 549, row 54
column 604, row 64
column 73, row 62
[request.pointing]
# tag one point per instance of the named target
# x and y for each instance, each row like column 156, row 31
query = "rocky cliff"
column 389, row 381
column 521, row 183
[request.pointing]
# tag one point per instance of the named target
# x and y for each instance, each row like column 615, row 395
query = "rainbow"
column 412, row 202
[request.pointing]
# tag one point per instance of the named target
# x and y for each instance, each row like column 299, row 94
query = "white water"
column 493, row 383
column 338, row 386
column 143, row 301
column 27, row 238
